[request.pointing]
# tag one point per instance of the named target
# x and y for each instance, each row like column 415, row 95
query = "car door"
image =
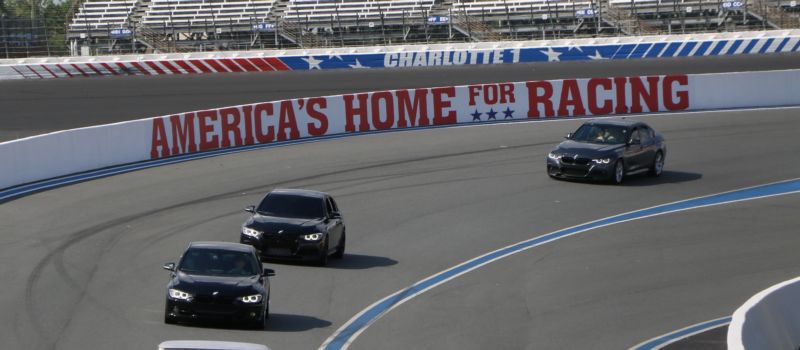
column 634, row 152
column 334, row 223
column 649, row 146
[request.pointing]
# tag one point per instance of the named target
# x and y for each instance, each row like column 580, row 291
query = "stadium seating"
column 102, row 14
column 355, row 10
column 495, row 7
column 180, row 13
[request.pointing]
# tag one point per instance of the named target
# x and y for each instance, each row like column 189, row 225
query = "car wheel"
column 322, row 260
column 658, row 165
column 619, row 172
column 340, row 249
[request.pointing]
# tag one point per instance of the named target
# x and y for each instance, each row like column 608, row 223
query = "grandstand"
column 108, row 26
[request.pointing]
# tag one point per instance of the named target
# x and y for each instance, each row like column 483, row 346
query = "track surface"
column 81, row 264
column 38, row 106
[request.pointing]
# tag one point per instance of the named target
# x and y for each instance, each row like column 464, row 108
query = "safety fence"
column 785, row 41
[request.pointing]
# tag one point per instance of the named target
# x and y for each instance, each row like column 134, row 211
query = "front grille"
column 216, row 300
column 573, row 160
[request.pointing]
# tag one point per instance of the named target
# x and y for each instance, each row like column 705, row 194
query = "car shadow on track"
column 348, row 262
column 276, row 323
column 667, row 177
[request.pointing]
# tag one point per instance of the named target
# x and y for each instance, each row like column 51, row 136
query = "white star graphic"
column 576, row 47
column 339, row 56
column 313, row 63
column 597, row 56
column 358, row 65
column 552, row 56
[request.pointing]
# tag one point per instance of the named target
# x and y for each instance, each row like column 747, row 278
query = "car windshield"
column 218, row 262
column 291, row 206
column 606, row 134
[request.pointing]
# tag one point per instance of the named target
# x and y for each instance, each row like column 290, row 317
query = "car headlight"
column 312, row 237
column 553, row 156
column 602, row 160
column 179, row 294
column 251, row 299
column 251, row 232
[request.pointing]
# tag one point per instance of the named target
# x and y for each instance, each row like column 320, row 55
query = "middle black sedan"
column 296, row 225
column 608, row 150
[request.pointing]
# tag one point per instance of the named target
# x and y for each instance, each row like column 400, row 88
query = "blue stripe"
column 782, row 44
column 687, row 48
column 703, row 48
column 736, row 44
column 665, row 339
column 670, row 50
column 796, row 46
column 624, row 51
column 657, row 48
column 383, row 306
column 750, row 45
column 718, row 48
column 640, row 50
column 766, row 45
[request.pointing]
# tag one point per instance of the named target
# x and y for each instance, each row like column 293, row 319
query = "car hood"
column 201, row 284
column 274, row 224
column 586, row 149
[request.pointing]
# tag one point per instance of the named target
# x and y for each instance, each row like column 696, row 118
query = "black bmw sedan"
column 296, row 225
column 608, row 150
column 218, row 280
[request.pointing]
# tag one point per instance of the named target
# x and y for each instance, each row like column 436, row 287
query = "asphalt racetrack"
column 81, row 264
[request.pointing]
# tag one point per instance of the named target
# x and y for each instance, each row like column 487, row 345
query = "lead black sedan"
column 218, row 280
column 296, row 225
column 608, row 150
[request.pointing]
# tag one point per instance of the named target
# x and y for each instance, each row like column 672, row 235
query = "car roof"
column 299, row 192
column 618, row 122
column 209, row 345
column 221, row 245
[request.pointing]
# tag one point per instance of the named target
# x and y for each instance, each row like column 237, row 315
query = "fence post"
column 3, row 34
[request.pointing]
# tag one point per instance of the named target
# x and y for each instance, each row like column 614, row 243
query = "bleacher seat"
column 182, row 13
column 102, row 14
column 355, row 10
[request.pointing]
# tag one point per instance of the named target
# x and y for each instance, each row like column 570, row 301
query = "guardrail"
column 781, row 41
column 768, row 320
column 230, row 129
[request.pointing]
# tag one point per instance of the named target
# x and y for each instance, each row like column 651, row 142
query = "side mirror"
column 250, row 209
column 268, row 273
column 569, row 136
column 634, row 142
column 169, row 266
column 336, row 215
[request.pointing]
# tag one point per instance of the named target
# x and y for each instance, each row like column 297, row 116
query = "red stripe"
column 198, row 64
column 79, row 70
column 215, row 66
column 125, row 69
column 277, row 63
column 171, row 67
column 260, row 63
column 111, row 70
column 94, row 69
column 49, row 71
column 64, row 70
column 185, row 66
column 34, row 72
column 244, row 63
column 229, row 63
column 140, row 68
column 155, row 67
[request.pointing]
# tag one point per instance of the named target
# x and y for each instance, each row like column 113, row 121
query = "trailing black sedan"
column 218, row 280
column 296, row 225
column 608, row 150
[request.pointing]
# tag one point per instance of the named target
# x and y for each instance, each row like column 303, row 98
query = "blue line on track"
column 342, row 337
column 666, row 339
